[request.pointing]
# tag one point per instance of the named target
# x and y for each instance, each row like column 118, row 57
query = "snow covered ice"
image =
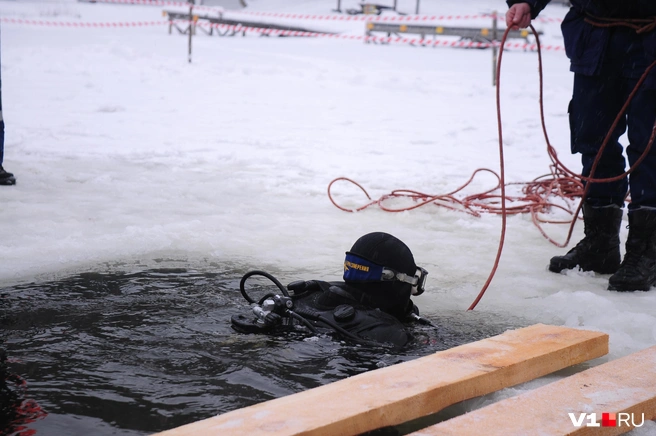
column 125, row 153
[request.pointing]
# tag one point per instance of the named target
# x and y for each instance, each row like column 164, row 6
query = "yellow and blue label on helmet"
column 357, row 269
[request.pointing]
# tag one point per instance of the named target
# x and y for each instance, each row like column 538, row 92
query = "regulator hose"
column 315, row 316
column 303, row 314
column 242, row 289
column 304, row 321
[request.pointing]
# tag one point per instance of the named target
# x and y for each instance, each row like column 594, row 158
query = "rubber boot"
column 6, row 178
column 599, row 250
column 638, row 269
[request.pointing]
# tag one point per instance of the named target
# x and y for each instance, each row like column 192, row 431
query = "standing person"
column 5, row 177
column 610, row 45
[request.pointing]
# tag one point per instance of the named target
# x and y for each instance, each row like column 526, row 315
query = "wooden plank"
column 409, row 390
column 626, row 385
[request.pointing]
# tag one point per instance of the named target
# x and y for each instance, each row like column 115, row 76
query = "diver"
column 371, row 306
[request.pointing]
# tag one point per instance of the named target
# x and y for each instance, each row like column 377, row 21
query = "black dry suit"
column 328, row 306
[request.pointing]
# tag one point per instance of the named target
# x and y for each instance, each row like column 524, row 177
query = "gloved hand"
column 272, row 319
column 411, row 310
column 300, row 286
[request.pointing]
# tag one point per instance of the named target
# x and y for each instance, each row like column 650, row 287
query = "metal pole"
column 417, row 8
column 395, row 1
column 339, row 6
column 191, row 18
column 494, row 48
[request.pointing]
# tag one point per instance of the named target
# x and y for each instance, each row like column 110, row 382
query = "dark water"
column 137, row 353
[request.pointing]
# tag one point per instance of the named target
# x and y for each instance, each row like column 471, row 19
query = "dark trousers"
column 2, row 128
column 596, row 101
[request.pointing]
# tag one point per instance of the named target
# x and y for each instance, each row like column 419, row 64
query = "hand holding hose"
column 518, row 16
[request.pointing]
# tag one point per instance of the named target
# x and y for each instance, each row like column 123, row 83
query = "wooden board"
column 409, row 390
column 626, row 385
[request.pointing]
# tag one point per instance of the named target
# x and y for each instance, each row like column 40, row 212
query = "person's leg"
column 596, row 101
column 2, row 120
column 2, row 130
column 638, row 269
column 641, row 115
column 5, row 177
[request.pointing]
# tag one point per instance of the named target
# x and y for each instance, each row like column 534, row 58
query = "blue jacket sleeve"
column 536, row 5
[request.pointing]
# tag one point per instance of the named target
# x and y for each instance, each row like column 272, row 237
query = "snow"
column 125, row 154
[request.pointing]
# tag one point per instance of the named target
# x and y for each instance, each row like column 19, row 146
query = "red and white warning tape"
column 384, row 18
column 549, row 20
column 334, row 17
column 391, row 18
column 159, row 3
column 80, row 23
column 282, row 32
column 375, row 39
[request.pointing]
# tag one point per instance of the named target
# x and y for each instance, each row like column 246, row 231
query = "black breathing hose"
column 304, row 321
column 264, row 274
column 317, row 317
column 302, row 315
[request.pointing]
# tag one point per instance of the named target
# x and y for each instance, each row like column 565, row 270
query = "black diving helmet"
column 379, row 256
